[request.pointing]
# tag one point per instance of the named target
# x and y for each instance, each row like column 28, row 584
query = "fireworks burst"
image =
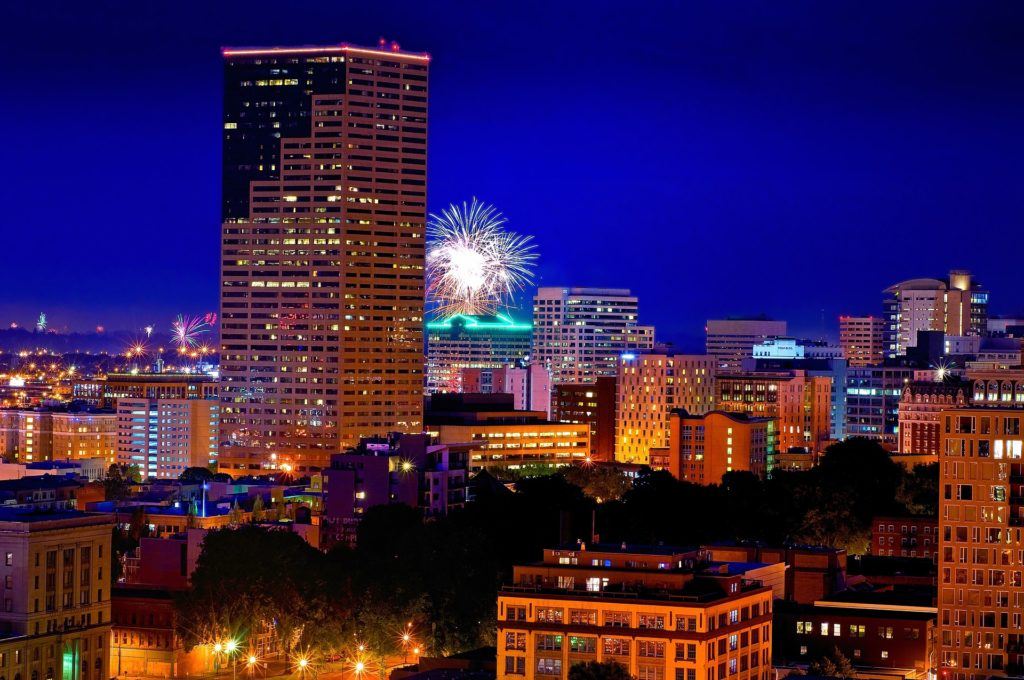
column 187, row 330
column 475, row 266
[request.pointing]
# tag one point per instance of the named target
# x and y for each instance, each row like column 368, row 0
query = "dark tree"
column 193, row 475
column 836, row 665
column 247, row 577
column 599, row 670
column 118, row 482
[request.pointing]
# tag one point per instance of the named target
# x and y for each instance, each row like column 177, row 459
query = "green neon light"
column 504, row 323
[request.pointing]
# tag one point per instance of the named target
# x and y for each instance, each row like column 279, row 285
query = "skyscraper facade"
column 730, row 341
column 955, row 305
column 580, row 333
column 981, row 551
column 861, row 339
column 322, row 286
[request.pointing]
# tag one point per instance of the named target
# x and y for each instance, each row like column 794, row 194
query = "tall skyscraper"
column 981, row 553
column 324, row 214
column 580, row 333
column 462, row 341
column 955, row 305
column 861, row 339
column 730, row 341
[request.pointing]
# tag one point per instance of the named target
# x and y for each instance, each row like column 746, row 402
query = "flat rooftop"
column 385, row 49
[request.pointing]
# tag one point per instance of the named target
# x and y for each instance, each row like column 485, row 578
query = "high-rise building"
column 955, row 305
column 591, row 403
column 323, row 238
column 861, row 338
column 464, row 341
column 580, row 333
column 873, row 399
column 650, row 386
column 981, row 550
column 163, row 437
column 730, row 341
column 702, row 448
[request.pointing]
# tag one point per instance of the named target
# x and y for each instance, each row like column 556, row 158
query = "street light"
column 229, row 647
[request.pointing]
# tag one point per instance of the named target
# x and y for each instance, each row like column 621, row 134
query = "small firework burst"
column 186, row 331
column 474, row 265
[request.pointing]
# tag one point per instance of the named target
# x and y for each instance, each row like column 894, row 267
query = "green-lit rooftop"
column 473, row 322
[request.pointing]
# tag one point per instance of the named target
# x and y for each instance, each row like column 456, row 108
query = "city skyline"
column 797, row 132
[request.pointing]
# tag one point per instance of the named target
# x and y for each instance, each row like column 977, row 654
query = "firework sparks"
column 475, row 266
column 187, row 330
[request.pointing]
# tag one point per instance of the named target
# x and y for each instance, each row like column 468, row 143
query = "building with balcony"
column 409, row 469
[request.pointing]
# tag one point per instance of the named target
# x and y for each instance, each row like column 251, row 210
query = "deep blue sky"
column 719, row 158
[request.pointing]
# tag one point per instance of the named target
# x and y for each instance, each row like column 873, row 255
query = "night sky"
column 791, row 158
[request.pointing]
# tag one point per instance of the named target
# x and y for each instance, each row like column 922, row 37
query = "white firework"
column 475, row 266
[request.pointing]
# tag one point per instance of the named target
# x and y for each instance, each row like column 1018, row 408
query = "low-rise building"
column 647, row 609
column 409, row 469
column 530, row 385
column 55, row 622
column 906, row 536
column 502, row 436
column 884, row 633
column 73, row 432
column 144, row 642
column 812, row 572
column 702, row 448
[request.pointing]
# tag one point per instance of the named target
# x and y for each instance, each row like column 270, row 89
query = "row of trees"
column 442, row 574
